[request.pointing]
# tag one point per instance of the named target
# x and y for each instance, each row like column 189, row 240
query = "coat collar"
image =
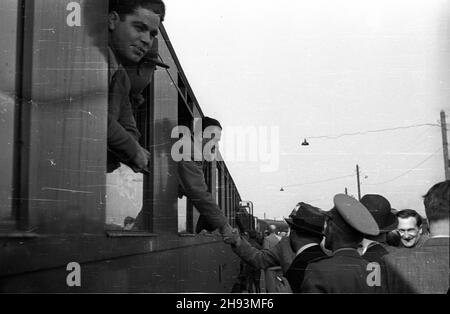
column 346, row 252
column 113, row 64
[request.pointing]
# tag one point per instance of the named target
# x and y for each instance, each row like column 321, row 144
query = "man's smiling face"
column 132, row 35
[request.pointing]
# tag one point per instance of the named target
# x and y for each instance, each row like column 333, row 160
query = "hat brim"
column 158, row 63
column 391, row 224
column 294, row 226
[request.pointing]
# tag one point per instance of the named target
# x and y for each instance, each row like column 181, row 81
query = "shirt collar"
column 366, row 245
column 303, row 248
column 113, row 63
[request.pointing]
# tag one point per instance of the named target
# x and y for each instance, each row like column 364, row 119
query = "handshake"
column 230, row 236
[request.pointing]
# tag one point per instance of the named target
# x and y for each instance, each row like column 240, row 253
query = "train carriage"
column 64, row 221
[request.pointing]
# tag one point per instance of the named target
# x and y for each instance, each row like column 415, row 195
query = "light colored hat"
column 355, row 215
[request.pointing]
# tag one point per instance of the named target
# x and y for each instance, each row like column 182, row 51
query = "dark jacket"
column 280, row 255
column 420, row 270
column 376, row 251
column 343, row 272
column 193, row 185
column 296, row 271
column 374, row 254
column 123, row 135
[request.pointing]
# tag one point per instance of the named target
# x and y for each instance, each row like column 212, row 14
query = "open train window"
column 185, row 118
column 129, row 194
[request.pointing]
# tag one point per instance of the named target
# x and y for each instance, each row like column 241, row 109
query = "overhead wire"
column 334, row 137
column 320, row 181
column 408, row 171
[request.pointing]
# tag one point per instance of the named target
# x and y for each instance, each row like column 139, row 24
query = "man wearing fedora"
column 285, row 251
column 345, row 271
column 306, row 234
column 375, row 247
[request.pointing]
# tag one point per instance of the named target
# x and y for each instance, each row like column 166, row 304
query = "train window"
column 218, row 186
column 225, row 209
column 185, row 118
column 185, row 216
column 233, row 204
column 8, row 53
column 125, row 189
column 182, row 215
column 229, row 200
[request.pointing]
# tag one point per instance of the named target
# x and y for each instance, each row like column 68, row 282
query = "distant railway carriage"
column 58, row 206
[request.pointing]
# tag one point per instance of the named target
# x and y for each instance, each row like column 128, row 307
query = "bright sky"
column 322, row 68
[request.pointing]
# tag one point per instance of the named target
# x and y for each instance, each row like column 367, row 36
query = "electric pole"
column 359, row 183
column 445, row 144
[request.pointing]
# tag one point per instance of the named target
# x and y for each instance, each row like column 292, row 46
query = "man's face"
column 133, row 37
column 409, row 232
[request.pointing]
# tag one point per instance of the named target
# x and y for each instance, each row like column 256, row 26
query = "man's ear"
column 113, row 19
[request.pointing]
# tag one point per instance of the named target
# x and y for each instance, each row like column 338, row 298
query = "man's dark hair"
column 126, row 7
column 437, row 201
column 406, row 213
column 207, row 122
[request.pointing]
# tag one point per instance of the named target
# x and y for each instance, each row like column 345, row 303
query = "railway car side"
column 63, row 218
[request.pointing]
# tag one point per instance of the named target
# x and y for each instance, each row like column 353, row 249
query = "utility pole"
column 359, row 183
column 445, row 144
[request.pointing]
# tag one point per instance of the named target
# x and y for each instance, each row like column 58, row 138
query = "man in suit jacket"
column 285, row 251
column 424, row 269
column 345, row 271
column 306, row 232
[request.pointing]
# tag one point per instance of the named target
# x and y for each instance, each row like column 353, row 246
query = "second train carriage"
column 58, row 206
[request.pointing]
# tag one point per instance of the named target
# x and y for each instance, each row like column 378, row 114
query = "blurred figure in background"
column 272, row 239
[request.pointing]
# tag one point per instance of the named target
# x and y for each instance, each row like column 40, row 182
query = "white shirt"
column 307, row 246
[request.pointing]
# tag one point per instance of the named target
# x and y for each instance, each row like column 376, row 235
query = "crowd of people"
column 358, row 247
